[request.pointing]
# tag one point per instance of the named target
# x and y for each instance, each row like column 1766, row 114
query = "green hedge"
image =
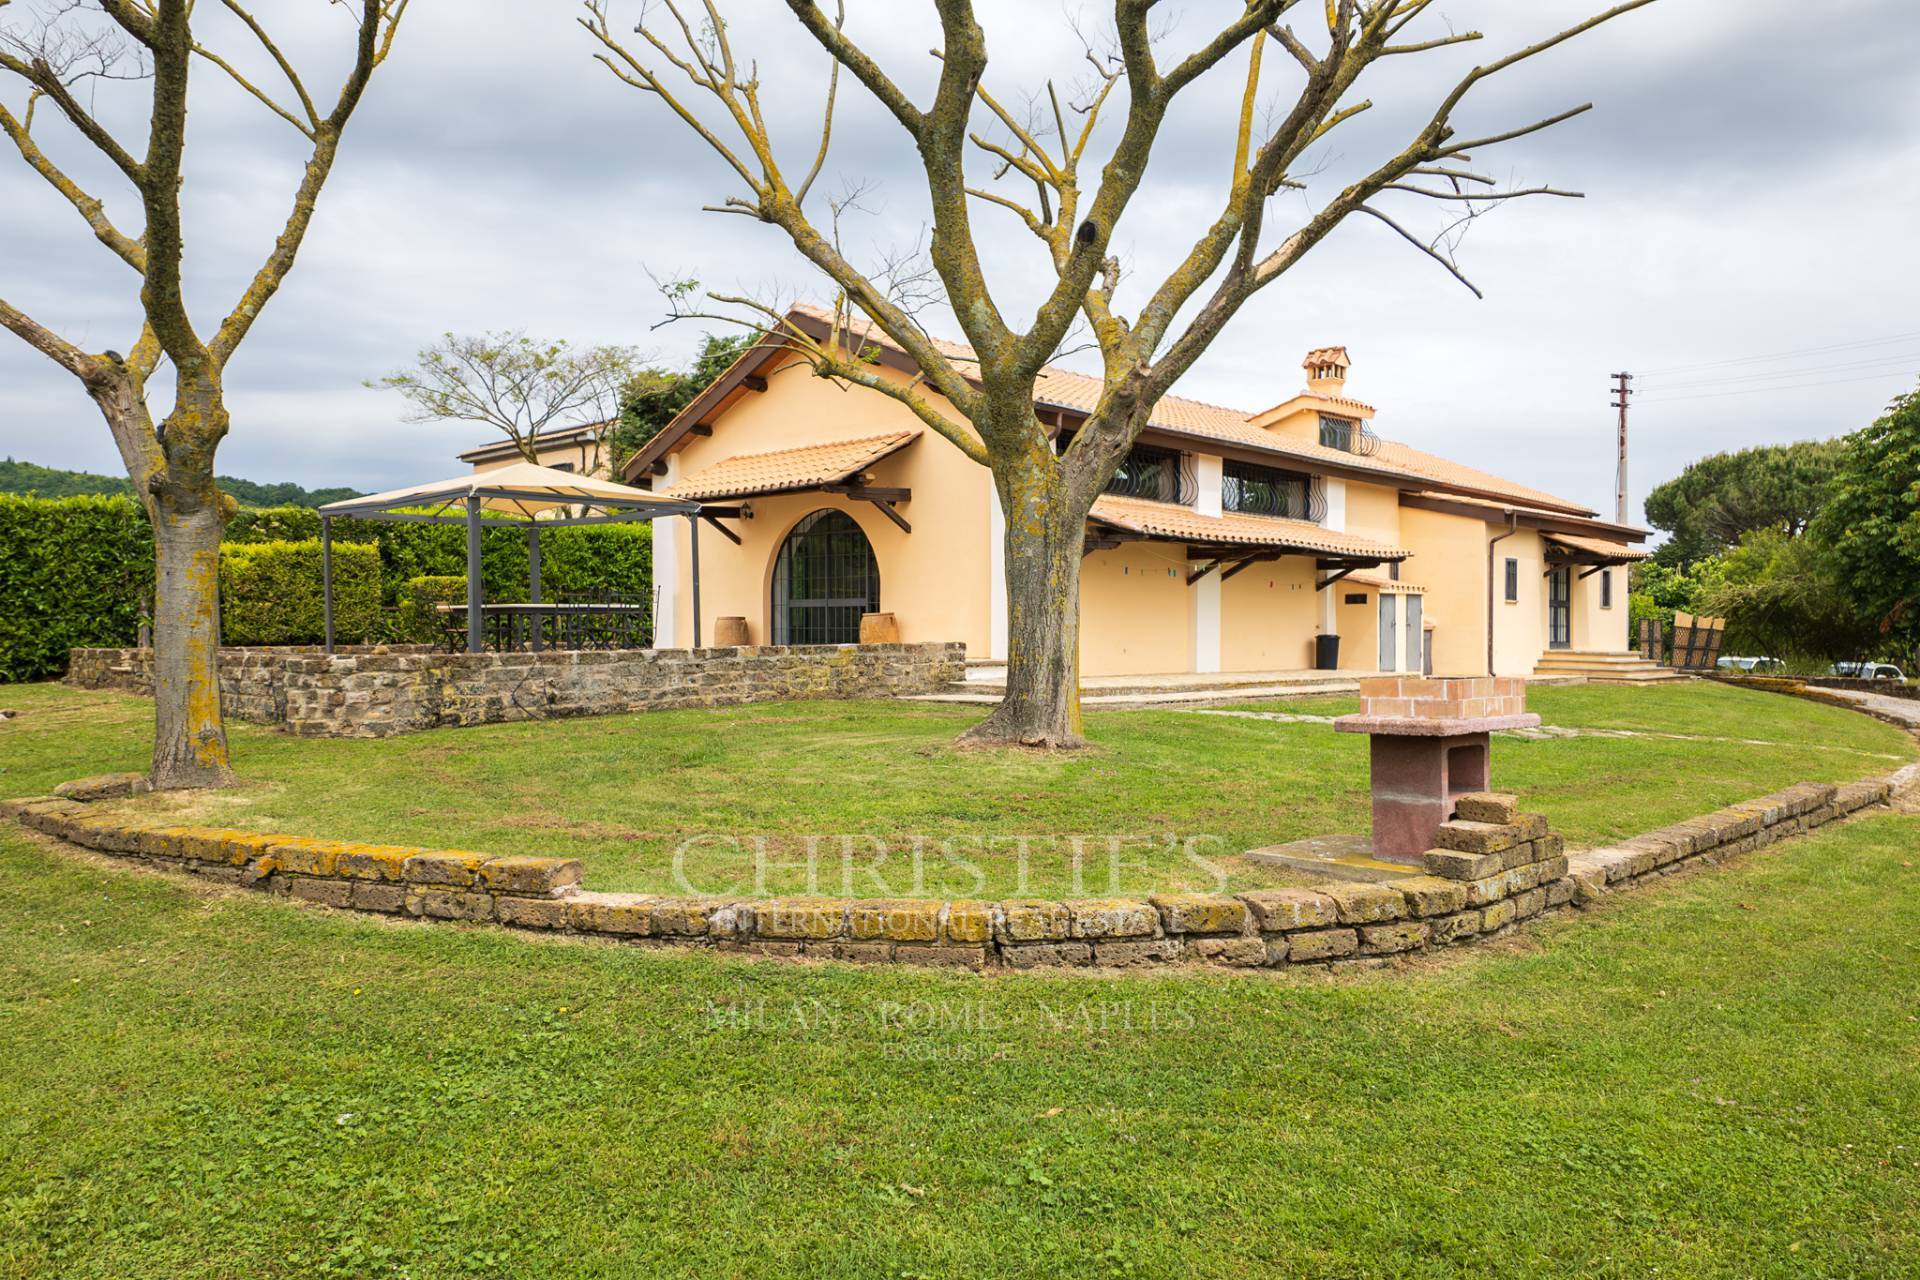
column 420, row 619
column 73, row 571
column 76, row 571
column 271, row 593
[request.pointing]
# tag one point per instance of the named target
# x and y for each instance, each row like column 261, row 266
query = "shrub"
column 73, row 571
column 270, row 593
column 420, row 621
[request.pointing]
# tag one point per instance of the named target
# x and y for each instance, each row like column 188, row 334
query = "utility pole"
column 1620, row 393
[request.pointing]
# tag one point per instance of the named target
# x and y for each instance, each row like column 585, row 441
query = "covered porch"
column 1170, row 592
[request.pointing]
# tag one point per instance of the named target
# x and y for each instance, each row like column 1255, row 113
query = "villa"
column 1227, row 542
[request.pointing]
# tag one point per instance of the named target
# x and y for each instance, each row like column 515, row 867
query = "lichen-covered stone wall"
column 377, row 692
column 1494, row 867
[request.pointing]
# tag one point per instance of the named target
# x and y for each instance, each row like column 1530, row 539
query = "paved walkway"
column 1905, row 710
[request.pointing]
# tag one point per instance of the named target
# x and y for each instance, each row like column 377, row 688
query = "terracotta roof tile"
column 1616, row 551
column 783, row 470
column 1384, row 583
column 1065, row 389
column 1184, row 524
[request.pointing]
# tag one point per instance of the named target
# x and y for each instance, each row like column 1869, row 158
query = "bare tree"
column 171, row 464
column 687, row 60
column 522, row 387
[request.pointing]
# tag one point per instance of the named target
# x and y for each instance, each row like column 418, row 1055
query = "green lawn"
column 1716, row 1077
column 751, row 798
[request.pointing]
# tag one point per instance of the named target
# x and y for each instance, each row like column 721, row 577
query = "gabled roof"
column 1058, row 388
column 784, row 470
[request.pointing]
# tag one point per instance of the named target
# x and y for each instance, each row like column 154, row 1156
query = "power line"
column 1794, row 386
column 1732, row 379
column 1782, row 355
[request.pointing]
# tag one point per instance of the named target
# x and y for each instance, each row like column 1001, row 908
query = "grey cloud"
column 1750, row 172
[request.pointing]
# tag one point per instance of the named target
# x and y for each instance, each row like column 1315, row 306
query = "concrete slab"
column 1335, row 857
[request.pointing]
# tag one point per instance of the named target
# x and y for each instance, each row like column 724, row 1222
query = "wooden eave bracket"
column 883, row 500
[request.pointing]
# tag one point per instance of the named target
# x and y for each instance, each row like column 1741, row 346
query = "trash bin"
column 1326, row 653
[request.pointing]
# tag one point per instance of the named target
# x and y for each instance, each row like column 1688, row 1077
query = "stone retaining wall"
column 1736, row 829
column 380, row 691
column 1494, row 867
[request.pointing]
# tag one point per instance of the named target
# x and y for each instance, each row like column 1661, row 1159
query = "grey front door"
column 1560, row 608
column 1389, row 632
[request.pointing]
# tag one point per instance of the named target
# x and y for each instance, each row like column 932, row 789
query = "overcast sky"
column 1751, row 170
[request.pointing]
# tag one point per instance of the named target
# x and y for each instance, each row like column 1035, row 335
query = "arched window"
column 825, row 578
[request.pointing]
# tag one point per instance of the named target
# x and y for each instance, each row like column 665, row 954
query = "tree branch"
column 48, row 343
column 1423, row 247
column 380, row 19
column 127, row 249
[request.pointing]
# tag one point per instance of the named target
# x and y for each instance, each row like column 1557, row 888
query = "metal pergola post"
column 475, row 641
column 533, row 576
column 326, row 578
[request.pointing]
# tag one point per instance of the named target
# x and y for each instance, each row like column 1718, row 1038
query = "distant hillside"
column 51, row 482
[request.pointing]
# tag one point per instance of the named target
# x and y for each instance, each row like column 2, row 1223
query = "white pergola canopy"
column 521, row 495
column 523, row 489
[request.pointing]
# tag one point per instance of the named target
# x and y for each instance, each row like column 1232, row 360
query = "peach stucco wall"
column 934, row 580
column 1135, row 614
column 1450, row 561
column 1268, row 617
column 1374, row 512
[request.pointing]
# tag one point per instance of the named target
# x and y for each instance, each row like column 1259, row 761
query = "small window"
column 1513, row 580
column 1606, row 588
column 1267, row 491
column 1357, row 597
column 562, row 466
column 1337, row 433
column 1393, row 571
column 1152, row 473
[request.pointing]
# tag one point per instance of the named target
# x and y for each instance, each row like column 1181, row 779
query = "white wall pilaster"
column 666, row 569
column 1206, row 621
column 1335, row 493
column 1208, row 468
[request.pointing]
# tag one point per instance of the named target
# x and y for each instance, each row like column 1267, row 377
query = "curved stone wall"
column 1494, row 868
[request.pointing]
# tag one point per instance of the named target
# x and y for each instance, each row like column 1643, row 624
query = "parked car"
column 1868, row 670
column 1750, row 666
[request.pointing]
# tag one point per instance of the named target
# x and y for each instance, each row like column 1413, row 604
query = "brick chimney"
column 1327, row 371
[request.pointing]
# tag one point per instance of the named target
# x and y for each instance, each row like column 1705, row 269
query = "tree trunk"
column 190, row 739
column 1046, row 536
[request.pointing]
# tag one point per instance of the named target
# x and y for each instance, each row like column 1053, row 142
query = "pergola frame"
column 411, row 507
